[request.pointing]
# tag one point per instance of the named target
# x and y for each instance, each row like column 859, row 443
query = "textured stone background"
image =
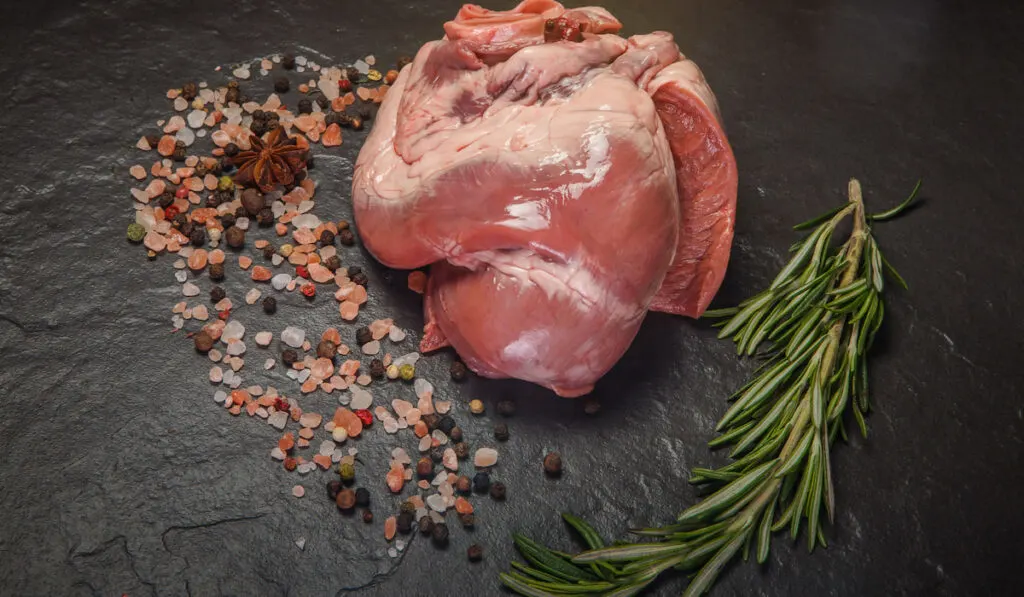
column 120, row 475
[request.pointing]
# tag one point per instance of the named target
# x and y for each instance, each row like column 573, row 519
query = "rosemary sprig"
column 814, row 326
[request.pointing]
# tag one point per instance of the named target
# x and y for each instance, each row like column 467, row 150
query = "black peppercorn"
column 232, row 96
column 592, row 407
column 446, row 424
column 355, row 269
column 481, row 482
column 440, row 535
column 426, row 525
column 404, row 522
column 289, row 356
column 213, row 200
column 501, row 432
column 475, row 553
column 288, row 61
column 506, row 408
column 216, row 271
column 252, row 201
column 235, row 237
column 305, row 106
column 332, row 118
column 204, row 342
column 216, row 169
column 407, row 506
column 231, row 150
column 179, row 221
column 333, row 489
column 186, row 228
column 377, row 369
column 270, row 305
column 352, row 74
column 431, row 420
column 217, row 293
column 200, row 170
column 456, row 434
column 463, row 485
column 165, row 200
column 189, row 91
column 258, row 127
column 326, row 349
column 367, row 111
column 498, row 491
column 179, row 152
column 259, row 114
column 553, row 464
column 425, row 468
column 323, row 102
column 227, row 220
column 457, row 370
column 227, row 167
column 265, row 217
column 360, row 279
column 269, row 252
column 436, row 454
column 281, row 85
column 240, row 212
column 367, row 516
column 332, row 263
column 461, row 450
column 364, row 336
column 326, row 238
column 346, row 500
column 362, row 497
column 467, row 519
column 153, row 140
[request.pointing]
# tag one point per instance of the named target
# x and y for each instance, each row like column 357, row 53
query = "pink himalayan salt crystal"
column 413, row 416
column 348, row 310
column 140, row 195
column 216, row 374
column 179, row 307
column 156, row 242
column 402, row 407
column 156, row 188
column 426, row 405
column 485, row 457
column 311, row 420
column 395, row 478
column 304, row 236
column 390, row 526
column 298, row 491
column 322, row 368
column 176, row 123
column 143, row 144
column 379, row 328
column 442, row 406
column 210, row 182
column 138, row 172
column 200, row 312
column 220, row 138
column 450, row 460
column 319, row 273
column 296, row 196
column 364, row 379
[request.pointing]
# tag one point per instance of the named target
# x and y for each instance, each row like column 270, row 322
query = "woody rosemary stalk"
column 813, row 326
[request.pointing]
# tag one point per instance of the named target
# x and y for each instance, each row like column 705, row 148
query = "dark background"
column 120, row 475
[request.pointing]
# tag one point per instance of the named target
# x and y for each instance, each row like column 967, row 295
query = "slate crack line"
column 377, row 579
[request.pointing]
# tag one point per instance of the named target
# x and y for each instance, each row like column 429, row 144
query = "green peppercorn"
column 362, row 497
column 217, row 294
column 498, row 491
column 407, row 372
column 136, row 232
column 270, row 305
column 225, row 183
column 216, row 271
column 440, row 535
column 347, row 471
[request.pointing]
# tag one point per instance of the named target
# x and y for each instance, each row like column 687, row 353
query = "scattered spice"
column 407, row 372
column 217, row 294
column 204, row 342
column 346, row 500
column 367, row 516
column 426, row 525
column 498, row 491
column 481, row 482
column 475, row 552
column 553, row 464
column 216, row 272
column 476, row 407
column 347, row 471
column 404, row 522
column 463, row 485
column 501, row 432
column 362, row 497
column 439, row 534
column 136, row 232
column 270, row 306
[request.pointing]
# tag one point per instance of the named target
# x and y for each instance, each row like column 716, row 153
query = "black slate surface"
column 120, row 475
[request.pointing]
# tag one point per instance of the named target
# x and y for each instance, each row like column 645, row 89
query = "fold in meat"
column 560, row 180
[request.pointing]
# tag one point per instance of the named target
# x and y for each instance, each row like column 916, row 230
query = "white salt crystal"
column 339, row 434
column 277, row 454
column 303, row 375
column 195, row 118
column 180, row 103
column 306, row 220
column 236, row 348
column 360, row 398
column 241, row 72
column 301, row 543
column 439, row 436
column 436, row 502
column 216, row 375
column 390, row 425
column 371, row 348
column 278, row 420
column 425, row 443
column 422, row 387
column 220, row 396
column 252, row 296
column 186, row 136
column 180, row 276
column 327, row 447
column 396, row 334
column 362, row 67
column 234, row 330
column 293, row 336
column 280, row 281
column 391, row 550
column 268, row 364
column 407, row 359
column 189, row 289
column 277, row 260
column 264, row 338
column 242, row 223
column 400, row 456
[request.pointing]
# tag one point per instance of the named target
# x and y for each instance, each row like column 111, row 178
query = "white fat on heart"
column 528, row 215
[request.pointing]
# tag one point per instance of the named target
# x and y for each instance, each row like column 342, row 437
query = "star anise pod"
column 270, row 163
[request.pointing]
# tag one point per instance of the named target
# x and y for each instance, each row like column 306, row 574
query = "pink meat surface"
column 559, row 179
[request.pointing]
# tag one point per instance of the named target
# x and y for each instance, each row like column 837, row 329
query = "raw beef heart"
column 560, row 179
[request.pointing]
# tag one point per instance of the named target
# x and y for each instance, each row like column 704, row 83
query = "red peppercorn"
column 290, row 464
column 309, row 290
column 282, row 405
column 170, row 212
column 224, row 314
column 182, row 192
column 301, row 271
column 345, row 85
column 365, row 416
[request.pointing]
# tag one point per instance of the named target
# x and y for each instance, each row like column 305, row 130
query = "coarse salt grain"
column 485, row 457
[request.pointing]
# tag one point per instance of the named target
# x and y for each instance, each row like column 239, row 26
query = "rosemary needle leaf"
column 818, row 220
column 892, row 213
column 729, row 494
